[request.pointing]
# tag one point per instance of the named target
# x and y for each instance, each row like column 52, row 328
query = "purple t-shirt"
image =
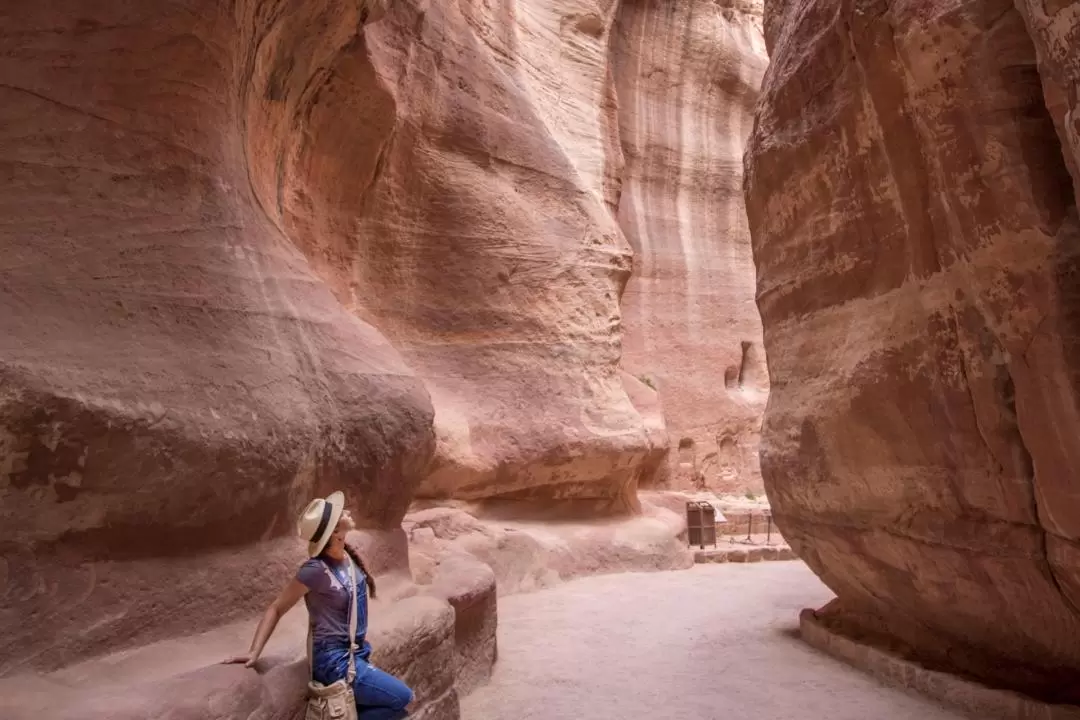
column 327, row 599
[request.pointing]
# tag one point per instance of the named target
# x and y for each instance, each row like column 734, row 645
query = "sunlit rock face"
column 687, row 77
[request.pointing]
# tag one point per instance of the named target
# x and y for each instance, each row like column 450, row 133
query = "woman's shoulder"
column 310, row 572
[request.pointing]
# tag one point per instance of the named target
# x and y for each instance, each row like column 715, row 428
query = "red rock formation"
column 174, row 378
column 916, row 239
column 259, row 250
column 469, row 214
column 687, row 78
column 483, row 246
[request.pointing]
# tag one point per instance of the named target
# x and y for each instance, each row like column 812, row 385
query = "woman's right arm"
column 288, row 597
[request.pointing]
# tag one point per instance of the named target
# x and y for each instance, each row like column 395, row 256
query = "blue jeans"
column 379, row 695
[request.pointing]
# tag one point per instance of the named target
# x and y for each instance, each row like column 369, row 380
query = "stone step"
column 743, row 554
column 966, row 695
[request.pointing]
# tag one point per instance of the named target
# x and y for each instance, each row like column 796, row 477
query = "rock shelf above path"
column 528, row 554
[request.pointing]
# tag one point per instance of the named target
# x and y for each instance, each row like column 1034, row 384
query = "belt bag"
column 335, row 701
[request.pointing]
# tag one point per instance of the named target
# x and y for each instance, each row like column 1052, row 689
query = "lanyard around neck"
column 342, row 578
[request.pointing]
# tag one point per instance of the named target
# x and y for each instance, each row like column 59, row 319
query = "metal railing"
column 703, row 521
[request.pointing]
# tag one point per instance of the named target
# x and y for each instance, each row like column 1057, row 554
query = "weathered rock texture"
column 255, row 251
column 484, row 244
column 469, row 586
column 687, row 77
column 486, row 234
column 175, row 380
column 912, row 192
column 414, row 638
column 530, row 554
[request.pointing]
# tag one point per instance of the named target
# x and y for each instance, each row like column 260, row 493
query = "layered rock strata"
column 686, row 79
column 483, row 242
column 175, row 379
column 254, row 252
column 912, row 193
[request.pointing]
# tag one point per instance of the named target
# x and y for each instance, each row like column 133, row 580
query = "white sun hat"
column 319, row 520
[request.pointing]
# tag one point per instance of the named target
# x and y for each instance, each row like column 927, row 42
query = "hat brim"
column 337, row 506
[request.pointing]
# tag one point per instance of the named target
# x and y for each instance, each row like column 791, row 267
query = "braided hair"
column 360, row 563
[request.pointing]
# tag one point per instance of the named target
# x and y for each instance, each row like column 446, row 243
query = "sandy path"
column 711, row 642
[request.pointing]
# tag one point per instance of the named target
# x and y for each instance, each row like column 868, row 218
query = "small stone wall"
column 968, row 696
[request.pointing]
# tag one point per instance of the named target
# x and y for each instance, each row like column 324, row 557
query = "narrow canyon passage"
column 710, row 642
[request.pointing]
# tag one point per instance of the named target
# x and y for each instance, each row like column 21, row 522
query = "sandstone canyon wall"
column 485, row 247
column 498, row 209
column 255, row 251
column 175, row 380
column 912, row 195
column 687, row 77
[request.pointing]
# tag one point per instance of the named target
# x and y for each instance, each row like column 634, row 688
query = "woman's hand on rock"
column 247, row 659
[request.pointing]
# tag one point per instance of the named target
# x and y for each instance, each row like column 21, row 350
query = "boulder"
column 469, row 586
column 912, row 199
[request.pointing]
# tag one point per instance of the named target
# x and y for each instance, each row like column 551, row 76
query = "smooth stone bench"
column 414, row 637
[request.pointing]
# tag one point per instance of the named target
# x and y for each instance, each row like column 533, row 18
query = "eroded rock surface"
column 484, row 246
column 530, row 554
column 256, row 251
column 413, row 638
column 175, row 380
column 687, row 77
column 488, row 238
column 915, row 233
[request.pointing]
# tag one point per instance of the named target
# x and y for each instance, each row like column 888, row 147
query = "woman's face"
column 345, row 524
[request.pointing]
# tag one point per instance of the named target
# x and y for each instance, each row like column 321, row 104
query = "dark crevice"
column 744, row 362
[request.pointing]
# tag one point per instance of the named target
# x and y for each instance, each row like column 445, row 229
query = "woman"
column 323, row 582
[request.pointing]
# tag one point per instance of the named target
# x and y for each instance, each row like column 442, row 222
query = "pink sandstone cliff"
column 912, row 194
column 687, row 77
column 251, row 252
column 483, row 244
column 499, row 212
column 175, row 378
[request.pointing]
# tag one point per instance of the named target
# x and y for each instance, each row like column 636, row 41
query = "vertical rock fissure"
column 1027, row 464
column 1064, row 173
column 614, row 169
column 965, row 380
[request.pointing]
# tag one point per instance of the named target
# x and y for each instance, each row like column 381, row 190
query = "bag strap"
column 310, row 660
column 352, row 622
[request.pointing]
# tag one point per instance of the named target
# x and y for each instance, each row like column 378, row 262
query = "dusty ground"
column 711, row 642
